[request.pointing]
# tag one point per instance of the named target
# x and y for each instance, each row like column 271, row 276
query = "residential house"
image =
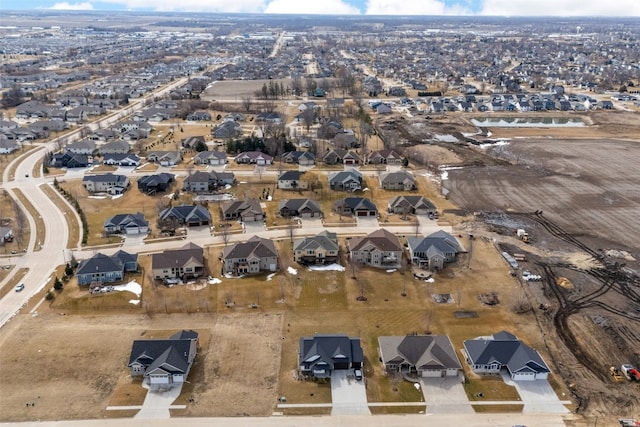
column 106, row 269
column 492, row 354
column 164, row 363
column 254, row 158
column 416, row 205
column 69, row 160
column 117, row 159
column 6, row 234
column 165, row 158
column 302, row 158
column 8, row 146
column 244, row 210
column 355, row 206
column 115, row 147
column 320, row 355
column 189, row 215
column 152, row 184
column 291, row 180
column 349, row 180
column 269, row 117
column 384, row 157
column 380, row 248
column 334, row 157
column 227, row 129
column 345, row 141
column 251, row 257
column 192, row 142
column 303, row 208
column 184, row 263
column 126, row 224
column 420, row 355
column 107, row 183
column 199, row 116
column 433, row 251
column 319, row 249
column 85, row 146
column 213, row 158
column 401, row 180
column 204, row 182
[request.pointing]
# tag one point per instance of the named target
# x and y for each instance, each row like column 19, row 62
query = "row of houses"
column 424, row 356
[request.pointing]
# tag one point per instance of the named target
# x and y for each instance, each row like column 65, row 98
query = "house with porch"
column 291, row 180
column 380, row 249
column 303, row 208
column 107, row 183
column 401, row 180
column 189, row 215
column 251, row 257
column 319, row 249
column 158, row 183
column 491, row 354
column 164, row 362
column 416, row 205
column 320, row 355
column 213, row 158
column 355, row 206
column 106, row 269
column 348, row 180
column 420, row 355
column 204, row 182
column 433, row 251
column 184, row 263
column 245, row 210
column 128, row 224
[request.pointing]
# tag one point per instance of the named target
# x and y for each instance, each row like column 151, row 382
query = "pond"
column 528, row 122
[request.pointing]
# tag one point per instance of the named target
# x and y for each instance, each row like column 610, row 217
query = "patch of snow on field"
column 329, row 267
column 169, row 196
column 495, row 144
column 134, row 301
column 444, row 176
column 392, row 270
column 97, row 197
column 269, row 277
column 214, row 281
column 117, row 196
column 446, row 138
column 292, row 271
column 132, row 287
column 429, row 280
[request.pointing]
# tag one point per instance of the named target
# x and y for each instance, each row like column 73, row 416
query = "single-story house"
column 302, row 158
column 421, row 355
column 417, row 205
column 401, row 180
column 126, row 224
column 203, row 182
column 106, row 269
column 319, row 249
column 355, row 206
column 117, row 159
column 349, row 180
column 384, row 157
column 250, row 257
column 189, row 215
column 491, row 354
column 164, row 362
column 85, row 146
column 245, row 210
column 320, row 355
column 119, row 146
column 254, row 158
column 304, row 208
column 165, row 158
column 158, row 183
column 291, row 180
column 213, row 158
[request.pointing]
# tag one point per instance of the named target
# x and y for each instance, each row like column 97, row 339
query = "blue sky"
column 625, row 8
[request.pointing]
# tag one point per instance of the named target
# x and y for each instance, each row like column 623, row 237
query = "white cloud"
column 72, row 6
column 561, row 8
column 414, row 7
column 323, row 7
column 224, row 6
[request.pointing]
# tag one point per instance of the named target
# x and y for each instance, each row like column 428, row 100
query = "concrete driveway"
column 537, row 396
column 348, row 395
column 253, row 227
column 367, row 221
column 445, row 396
column 157, row 403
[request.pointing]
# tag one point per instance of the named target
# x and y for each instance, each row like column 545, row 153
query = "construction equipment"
column 615, row 374
column 564, row 282
column 630, row 372
column 523, row 235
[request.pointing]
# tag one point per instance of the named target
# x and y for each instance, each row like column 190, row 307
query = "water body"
column 528, row 122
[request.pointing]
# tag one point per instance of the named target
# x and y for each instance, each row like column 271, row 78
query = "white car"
column 19, row 287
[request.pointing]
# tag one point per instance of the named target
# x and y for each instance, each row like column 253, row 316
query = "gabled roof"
column 107, row 177
column 358, row 203
column 325, row 349
column 505, row 349
column 254, row 247
column 299, row 205
column 160, row 178
column 382, row 240
column 397, row 177
column 125, row 220
column 325, row 240
column 441, row 240
column 190, row 254
column 344, row 176
column 416, row 202
column 169, row 355
column 290, row 176
column 101, row 263
column 186, row 213
column 421, row 351
column 239, row 206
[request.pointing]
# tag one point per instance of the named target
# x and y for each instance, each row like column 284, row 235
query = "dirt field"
column 585, row 182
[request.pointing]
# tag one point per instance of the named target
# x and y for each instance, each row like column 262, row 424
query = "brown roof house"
column 421, row 355
column 251, row 257
column 244, row 210
column 184, row 263
column 381, row 249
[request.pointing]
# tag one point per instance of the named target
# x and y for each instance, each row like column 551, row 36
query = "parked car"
column 19, row 287
column 358, row 374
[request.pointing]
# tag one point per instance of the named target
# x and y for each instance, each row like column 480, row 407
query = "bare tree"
column 291, row 229
column 247, row 103
column 224, row 232
column 309, row 117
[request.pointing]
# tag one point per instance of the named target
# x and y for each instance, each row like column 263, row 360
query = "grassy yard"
column 489, row 387
column 40, row 228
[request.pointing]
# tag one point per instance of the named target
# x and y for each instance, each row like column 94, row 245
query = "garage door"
column 362, row 213
column 431, row 373
column 341, row 365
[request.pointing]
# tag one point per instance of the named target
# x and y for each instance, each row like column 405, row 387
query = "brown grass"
column 15, row 279
column 8, row 158
column 497, row 408
column 8, row 219
column 492, row 388
column 128, row 391
column 40, row 228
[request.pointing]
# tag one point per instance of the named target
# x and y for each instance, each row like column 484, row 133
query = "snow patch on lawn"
column 214, row 281
column 269, row 277
column 329, row 267
column 132, row 287
column 292, row 271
